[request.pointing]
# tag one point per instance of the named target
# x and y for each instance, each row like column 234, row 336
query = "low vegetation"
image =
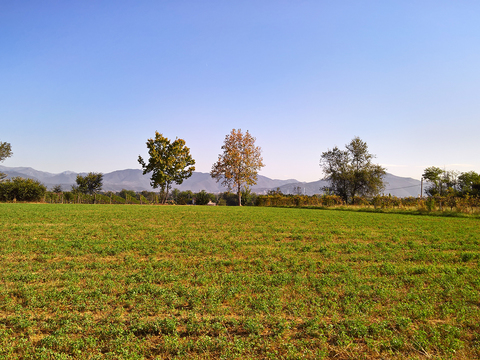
column 448, row 205
column 144, row 282
column 20, row 189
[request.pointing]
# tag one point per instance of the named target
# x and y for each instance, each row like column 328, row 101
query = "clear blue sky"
column 84, row 84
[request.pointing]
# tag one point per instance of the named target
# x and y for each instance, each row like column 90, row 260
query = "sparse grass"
column 144, row 282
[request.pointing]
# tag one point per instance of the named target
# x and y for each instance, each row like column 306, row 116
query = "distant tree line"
column 353, row 179
column 174, row 197
column 441, row 182
column 379, row 202
column 20, row 189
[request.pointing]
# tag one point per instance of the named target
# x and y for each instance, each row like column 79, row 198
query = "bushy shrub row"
column 432, row 203
column 69, row 197
column 20, row 189
column 465, row 203
column 279, row 199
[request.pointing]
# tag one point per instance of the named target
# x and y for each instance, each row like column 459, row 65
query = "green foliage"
column 131, row 199
column 79, row 198
column 174, row 195
column 89, row 184
column 248, row 197
column 184, row 197
column 169, row 162
column 446, row 206
column 227, row 199
column 57, row 189
column 69, row 197
column 351, row 173
column 430, row 204
column 116, row 199
column 469, row 183
column 276, row 191
column 143, row 199
column 203, row 198
column 150, row 196
column 276, row 198
column 53, row 198
column 439, row 181
column 443, row 183
column 230, row 199
column 5, row 150
column 20, row 189
column 124, row 193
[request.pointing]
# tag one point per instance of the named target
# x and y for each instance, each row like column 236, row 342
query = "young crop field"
column 192, row 282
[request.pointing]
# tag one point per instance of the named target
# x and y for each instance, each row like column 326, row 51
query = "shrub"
column 184, row 197
column 202, row 198
column 20, row 189
column 229, row 198
column 127, row 194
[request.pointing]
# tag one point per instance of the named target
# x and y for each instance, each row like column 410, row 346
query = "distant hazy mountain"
column 133, row 179
column 402, row 186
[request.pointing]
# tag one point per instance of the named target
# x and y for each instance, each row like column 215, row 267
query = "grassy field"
column 144, row 282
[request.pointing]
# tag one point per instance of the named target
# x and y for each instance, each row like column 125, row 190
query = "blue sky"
column 84, row 84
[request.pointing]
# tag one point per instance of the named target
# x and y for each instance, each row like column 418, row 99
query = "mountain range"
column 133, row 179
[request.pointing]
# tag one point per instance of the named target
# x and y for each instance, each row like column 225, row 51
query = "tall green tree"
column 237, row 167
column 5, row 152
column 203, row 198
column 89, row 184
column 439, row 180
column 169, row 162
column 350, row 172
column 126, row 193
column 185, row 197
column 469, row 183
column 174, row 195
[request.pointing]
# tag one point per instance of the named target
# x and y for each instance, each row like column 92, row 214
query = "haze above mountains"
column 133, row 179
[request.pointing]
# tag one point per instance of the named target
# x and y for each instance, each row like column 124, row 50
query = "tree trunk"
column 239, row 193
column 162, row 195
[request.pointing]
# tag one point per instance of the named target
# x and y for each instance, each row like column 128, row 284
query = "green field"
column 144, row 282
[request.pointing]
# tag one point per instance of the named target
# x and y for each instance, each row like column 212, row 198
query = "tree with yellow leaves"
column 237, row 168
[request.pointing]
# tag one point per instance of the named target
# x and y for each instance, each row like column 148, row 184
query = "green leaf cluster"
column 89, row 184
column 20, row 189
column 169, row 162
column 5, row 150
column 350, row 172
column 441, row 182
